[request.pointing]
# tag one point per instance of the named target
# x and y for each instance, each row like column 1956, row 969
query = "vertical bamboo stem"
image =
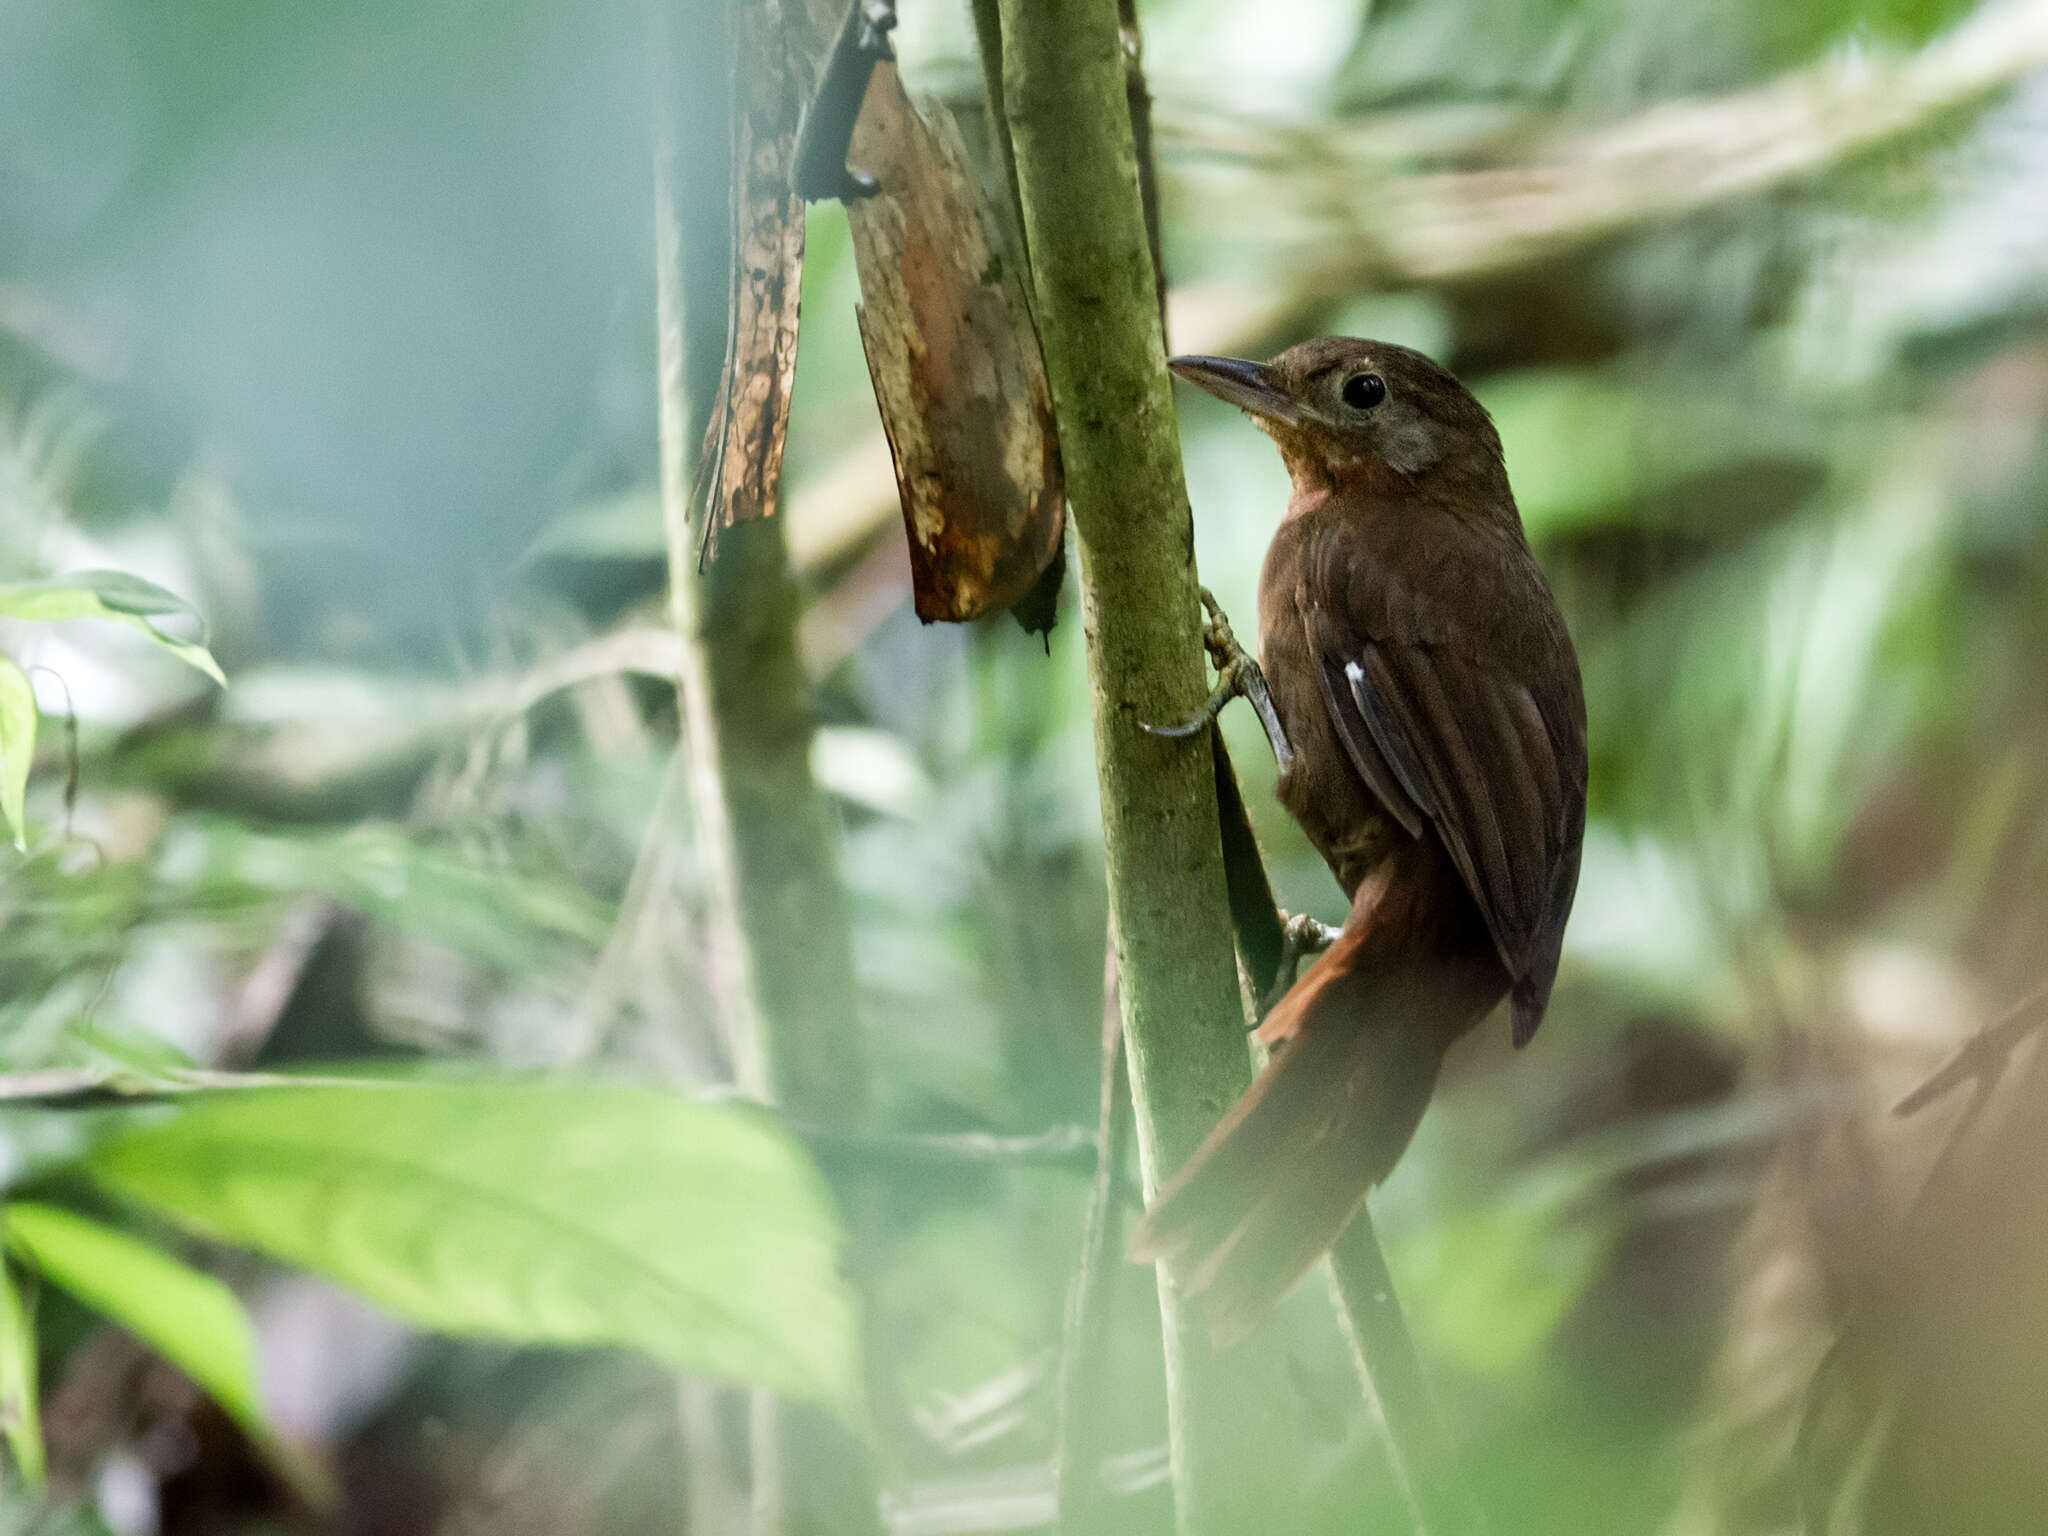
column 1070, row 129
column 781, row 957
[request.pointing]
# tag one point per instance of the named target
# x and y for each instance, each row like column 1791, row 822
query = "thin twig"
column 1070, row 1147
column 1396, row 1386
column 1138, row 100
column 1984, row 1056
column 1361, row 1286
column 1077, row 1433
column 99, row 1087
column 988, row 36
column 1981, row 1062
column 826, row 135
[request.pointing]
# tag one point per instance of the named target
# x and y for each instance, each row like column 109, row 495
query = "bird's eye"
column 1363, row 391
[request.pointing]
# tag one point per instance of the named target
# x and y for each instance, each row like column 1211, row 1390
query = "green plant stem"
column 1077, row 1426
column 1079, row 169
column 1138, row 102
column 1361, row 1286
column 1391, row 1371
column 781, row 943
column 988, row 36
column 780, row 950
column 1064, row 95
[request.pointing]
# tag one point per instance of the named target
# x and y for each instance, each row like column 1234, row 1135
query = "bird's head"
column 1343, row 409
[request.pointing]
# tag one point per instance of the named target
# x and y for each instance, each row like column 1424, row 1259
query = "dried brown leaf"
column 956, row 367
column 740, row 472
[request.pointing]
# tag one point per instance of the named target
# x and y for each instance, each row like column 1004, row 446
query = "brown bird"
column 1432, row 744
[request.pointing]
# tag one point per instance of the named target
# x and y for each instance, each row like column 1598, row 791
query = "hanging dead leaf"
column 956, row 366
column 740, row 472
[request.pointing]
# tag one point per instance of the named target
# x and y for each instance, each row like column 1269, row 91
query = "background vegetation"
column 336, row 326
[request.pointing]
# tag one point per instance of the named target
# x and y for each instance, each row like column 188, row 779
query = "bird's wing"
column 1494, row 762
column 1374, row 746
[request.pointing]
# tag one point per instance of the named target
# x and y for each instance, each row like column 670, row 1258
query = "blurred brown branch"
column 1983, row 1057
column 1566, row 187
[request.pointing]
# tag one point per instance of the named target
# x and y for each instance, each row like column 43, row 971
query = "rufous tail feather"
column 1357, row 1044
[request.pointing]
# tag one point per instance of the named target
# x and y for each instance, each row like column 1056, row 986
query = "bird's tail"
column 1357, row 1045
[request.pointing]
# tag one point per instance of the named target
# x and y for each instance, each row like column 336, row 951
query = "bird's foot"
column 826, row 133
column 1300, row 936
column 1237, row 676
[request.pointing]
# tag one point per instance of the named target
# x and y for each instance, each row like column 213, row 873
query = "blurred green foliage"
column 337, row 323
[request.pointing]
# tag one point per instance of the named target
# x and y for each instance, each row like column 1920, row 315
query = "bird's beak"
column 1248, row 386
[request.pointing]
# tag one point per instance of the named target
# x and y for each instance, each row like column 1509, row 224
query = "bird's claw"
column 1300, row 935
column 1237, row 676
column 1307, row 935
column 1226, row 690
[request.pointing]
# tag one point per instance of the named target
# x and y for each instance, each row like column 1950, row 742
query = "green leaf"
column 20, row 1413
column 189, row 1318
column 112, row 595
column 549, row 1214
column 90, row 595
column 17, row 746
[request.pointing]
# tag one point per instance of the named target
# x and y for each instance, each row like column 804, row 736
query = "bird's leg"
column 1300, row 936
column 1237, row 676
column 826, row 134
